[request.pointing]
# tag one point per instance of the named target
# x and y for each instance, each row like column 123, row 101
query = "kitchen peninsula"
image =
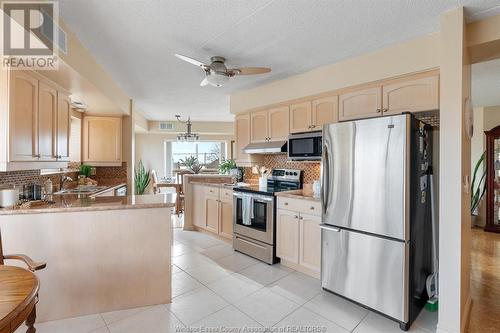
column 103, row 253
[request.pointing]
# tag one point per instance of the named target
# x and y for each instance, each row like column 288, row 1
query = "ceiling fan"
column 217, row 74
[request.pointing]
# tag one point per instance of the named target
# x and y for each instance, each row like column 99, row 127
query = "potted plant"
column 142, row 178
column 478, row 191
column 226, row 166
column 85, row 173
column 191, row 162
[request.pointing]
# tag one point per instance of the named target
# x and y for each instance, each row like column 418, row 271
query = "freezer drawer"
column 366, row 269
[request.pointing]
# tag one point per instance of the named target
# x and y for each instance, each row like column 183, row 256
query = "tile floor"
column 213, row 286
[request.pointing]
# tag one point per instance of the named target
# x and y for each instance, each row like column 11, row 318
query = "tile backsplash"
column 310, row 170
column 106, row 176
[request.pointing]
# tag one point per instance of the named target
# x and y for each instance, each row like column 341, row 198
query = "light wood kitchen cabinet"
column 212, row 209
column 324, row 111
column 212, row 214
column 310, row 242
column 298, row 234
column 242, row 135
column 258, row 126
column 63, row 126
column 363, row 103
column 23, row 111
column 47, row 112
column 287, row 235
column 279, row 126
column 102, row 141
column 226, row 217
column 198, row 202
column 419, row 94
column 300, row 117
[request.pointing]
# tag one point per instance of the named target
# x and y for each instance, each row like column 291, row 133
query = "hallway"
column 485, row 282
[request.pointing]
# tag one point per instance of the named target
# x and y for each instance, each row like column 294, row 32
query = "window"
column 208, row 153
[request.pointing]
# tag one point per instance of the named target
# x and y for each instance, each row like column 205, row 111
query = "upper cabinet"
column 278, row 128
column 23, row 111
column 361, row 103
column 38, row 126
column 63, row 126
column 102, row 141
column 419, row 94
column 47, row 127
column 258, row 126
column 324, row 111
column 300, row 117
column 242, row 135
column 269, row 125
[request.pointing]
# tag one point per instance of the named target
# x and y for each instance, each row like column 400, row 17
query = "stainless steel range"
column 254, row 214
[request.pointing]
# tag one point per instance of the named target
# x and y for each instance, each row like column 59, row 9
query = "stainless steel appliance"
column 305, row 146
column 254, row 214
column 376, row 231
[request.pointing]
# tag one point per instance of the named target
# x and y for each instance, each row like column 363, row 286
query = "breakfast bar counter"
column 103, row 254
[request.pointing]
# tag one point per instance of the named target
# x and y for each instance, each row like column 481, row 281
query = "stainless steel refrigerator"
column 376, row 221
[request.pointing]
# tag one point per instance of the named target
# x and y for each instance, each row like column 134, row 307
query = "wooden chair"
column 154, row 178
column 179, row 204
column 18, row 292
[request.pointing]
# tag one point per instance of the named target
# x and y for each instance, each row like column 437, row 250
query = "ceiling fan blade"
column 192, row 61
column 249, row 70
column 204, row 82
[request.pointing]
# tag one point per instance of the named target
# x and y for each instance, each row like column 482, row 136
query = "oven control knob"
column 295, row 174
column 287, row 173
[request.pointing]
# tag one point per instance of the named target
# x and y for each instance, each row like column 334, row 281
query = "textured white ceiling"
column 135, row 41
column 486, row 83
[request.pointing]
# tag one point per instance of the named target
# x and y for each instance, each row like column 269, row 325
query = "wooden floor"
column 485, row 282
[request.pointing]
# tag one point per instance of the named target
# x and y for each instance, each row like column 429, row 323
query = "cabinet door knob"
column 301, row 218
column 286, row 203
column 295, row 216
column 378, row 110
column 312, row 207
column 385, row 110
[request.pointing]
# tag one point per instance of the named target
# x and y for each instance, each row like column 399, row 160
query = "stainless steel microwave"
column 305, row 146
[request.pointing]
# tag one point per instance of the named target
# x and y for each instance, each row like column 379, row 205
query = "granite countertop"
column 79, row 203
column 305, row 194
column 220, row 185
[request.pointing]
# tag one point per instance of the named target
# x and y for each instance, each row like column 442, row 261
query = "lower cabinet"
column 226, row 218
column 212, row 214
column 287, row 235
column 213, row 210
column 298, row 240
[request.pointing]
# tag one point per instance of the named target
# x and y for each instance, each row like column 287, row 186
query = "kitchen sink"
column 82, row 189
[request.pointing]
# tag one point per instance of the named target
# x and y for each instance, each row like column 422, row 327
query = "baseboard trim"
column 464, row 325
column 466, row 315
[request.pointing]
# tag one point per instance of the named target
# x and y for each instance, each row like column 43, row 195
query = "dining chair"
column 18, row 292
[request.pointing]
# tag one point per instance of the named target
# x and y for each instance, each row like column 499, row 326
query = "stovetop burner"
column 279, row 180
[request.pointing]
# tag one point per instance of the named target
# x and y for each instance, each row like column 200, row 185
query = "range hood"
column 272, row 147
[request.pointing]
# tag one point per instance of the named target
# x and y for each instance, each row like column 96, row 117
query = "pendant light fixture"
column 188, row 136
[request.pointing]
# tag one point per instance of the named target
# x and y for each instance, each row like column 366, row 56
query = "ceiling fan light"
column 217, row 80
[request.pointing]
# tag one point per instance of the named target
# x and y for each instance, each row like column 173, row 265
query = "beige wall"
column 200, row 127
column 150, row 148
column 413, row 56
column 454, row 206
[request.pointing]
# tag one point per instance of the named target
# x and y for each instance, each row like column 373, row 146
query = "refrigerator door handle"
column 329, row 227
column 325, row 179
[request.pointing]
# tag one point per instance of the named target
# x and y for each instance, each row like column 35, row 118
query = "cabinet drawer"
column 226, row 194
column 300, row 205
column 212, row 191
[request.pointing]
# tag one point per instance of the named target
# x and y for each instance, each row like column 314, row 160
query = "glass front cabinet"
column 493, row 180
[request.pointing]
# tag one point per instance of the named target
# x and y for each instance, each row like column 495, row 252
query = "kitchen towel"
column 247, row 209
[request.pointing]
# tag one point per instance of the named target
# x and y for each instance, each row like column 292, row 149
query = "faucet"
column 63, row 180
